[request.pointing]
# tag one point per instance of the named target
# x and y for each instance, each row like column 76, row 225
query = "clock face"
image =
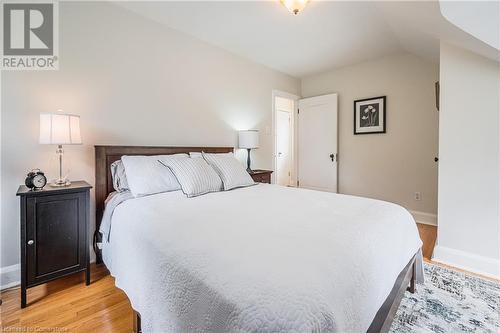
column 39, row 181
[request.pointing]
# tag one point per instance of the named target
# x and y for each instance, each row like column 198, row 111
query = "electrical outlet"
column 417, row 196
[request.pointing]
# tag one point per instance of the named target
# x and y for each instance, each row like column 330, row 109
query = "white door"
column 317, row 143
column 283, row 147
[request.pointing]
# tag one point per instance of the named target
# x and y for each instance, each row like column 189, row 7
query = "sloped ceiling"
column 421, row 25
column 481, row 19
column 326, row 35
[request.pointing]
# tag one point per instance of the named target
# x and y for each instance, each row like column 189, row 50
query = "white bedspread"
column 259, row 259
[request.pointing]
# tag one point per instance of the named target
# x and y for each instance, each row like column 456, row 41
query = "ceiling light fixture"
column 294, row 6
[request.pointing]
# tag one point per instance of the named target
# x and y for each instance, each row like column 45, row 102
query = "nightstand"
column 261, row 176
column 54, row 233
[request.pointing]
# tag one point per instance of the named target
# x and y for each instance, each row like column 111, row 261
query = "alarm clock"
column 35, row 180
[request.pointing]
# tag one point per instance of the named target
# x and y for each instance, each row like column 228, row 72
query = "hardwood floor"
column 67, row 305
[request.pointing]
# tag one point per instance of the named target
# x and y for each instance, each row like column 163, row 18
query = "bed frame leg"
column 137, row 322
column 413, row 279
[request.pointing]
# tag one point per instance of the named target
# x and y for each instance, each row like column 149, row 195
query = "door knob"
column 30, row 242
column 332, row 156
column 280, row 153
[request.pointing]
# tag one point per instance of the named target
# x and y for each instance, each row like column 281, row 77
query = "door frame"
column 295, row 98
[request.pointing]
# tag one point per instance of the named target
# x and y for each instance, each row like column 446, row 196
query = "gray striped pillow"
column 232, row 173
column 195, row 175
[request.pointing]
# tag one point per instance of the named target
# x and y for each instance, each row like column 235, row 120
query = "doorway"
column 284, row 106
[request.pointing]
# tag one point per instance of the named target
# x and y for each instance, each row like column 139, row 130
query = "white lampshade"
column 60, row 129
column 294, row 6
column 248, row 139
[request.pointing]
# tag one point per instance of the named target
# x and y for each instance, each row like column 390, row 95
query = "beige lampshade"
column 248, row 139
column 60, row 129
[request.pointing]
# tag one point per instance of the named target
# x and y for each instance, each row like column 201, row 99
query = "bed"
column 263, row 258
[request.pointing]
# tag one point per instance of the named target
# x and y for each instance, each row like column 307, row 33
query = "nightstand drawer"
column 261, row 176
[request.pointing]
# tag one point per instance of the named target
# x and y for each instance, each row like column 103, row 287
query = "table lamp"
column 248, row 140
column 60, row 129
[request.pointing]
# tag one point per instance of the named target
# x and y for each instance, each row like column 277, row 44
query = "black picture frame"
column 379, row 105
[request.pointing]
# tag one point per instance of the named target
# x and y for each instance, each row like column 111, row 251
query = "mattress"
column 260, row 259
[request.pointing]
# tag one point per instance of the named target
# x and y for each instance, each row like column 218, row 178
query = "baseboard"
column 10, row 276
column 424, row 218
column 467, row 261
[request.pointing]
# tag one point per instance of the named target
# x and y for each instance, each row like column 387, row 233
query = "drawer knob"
column 30, row 242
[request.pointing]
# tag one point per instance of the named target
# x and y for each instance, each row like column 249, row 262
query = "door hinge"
column 298, row 183
column 298, row 111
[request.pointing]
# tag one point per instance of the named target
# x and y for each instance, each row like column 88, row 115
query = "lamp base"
column 249, row 170
column 60, row 183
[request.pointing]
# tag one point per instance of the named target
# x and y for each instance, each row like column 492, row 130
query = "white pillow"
column 145, row 175
column 194, row 174
column 195, row 155
column 230, row 170
column 118, row 176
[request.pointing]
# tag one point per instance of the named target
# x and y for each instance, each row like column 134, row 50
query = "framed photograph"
column 369, row 115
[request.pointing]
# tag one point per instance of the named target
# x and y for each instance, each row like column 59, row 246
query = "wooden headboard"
column 105, row 155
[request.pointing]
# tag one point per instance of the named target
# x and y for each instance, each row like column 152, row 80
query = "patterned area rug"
column 449, row 301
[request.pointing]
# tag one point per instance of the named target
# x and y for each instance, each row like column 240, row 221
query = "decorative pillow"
column 146, row 176
column 195, row 175
column 119, row 176
column 195, row 155
column 232, row 173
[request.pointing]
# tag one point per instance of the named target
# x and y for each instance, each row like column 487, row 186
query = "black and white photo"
column 369, row 115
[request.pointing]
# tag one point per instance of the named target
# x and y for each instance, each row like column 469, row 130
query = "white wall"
column 133, row 82
column 469, row 169
column 394, row 165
